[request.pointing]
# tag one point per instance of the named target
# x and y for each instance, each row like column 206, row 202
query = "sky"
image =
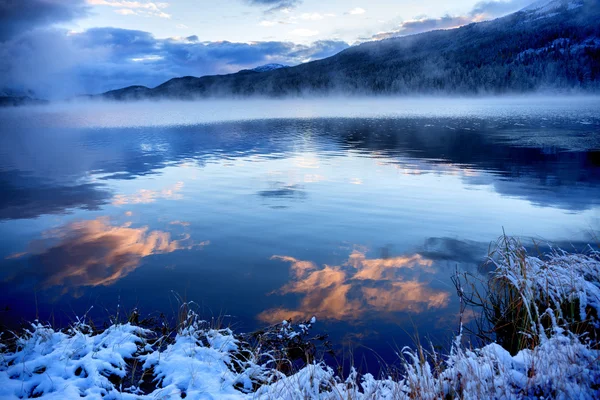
column 62, row 48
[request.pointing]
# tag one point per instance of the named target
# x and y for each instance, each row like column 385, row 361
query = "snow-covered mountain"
column 269, row 67
column 552, row 6
column 550, row 45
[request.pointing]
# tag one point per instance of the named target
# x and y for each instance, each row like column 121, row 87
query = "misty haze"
column 287, row 199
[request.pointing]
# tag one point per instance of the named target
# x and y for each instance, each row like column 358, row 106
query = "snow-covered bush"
column 527, row 296
column 75, row 363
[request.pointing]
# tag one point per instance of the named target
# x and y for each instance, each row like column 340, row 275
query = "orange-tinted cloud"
column 385, row 268
column 356, row 288
column 97, row 253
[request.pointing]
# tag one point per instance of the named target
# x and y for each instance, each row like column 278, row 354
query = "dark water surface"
column 359, row 220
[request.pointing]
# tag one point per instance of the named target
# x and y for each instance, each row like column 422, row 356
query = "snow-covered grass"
column 556, row 298
column 527, row 297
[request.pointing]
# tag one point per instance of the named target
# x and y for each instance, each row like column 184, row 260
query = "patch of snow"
column 269, row 67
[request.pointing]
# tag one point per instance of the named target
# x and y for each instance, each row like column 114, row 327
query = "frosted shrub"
column 529, row 297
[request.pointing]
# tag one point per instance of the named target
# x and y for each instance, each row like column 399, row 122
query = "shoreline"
column 555, row 353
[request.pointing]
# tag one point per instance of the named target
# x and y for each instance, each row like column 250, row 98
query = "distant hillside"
column 15, row 97
column 549, row 45
column 269, row 67
column 14, row 101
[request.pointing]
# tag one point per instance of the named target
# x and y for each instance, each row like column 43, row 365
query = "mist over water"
column 355, row 210
column 104, row 113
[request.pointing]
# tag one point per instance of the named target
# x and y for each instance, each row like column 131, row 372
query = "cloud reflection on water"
column 146, row 196
column 91, row 253
column 359, row 286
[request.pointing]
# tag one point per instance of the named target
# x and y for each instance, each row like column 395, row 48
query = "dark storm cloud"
column 54, row 62
column 17, row 16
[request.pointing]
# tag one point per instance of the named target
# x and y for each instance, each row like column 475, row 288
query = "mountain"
column 10, row 97
column 129, row 92
column 546, row 6
column 269, row 67
column 14, row 101
column 550, row 45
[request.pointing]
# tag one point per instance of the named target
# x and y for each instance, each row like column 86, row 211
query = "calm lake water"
column 357, row 212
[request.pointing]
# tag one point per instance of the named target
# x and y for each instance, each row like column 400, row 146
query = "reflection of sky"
column 89, row 253
column 124, row 217
column 359, row 287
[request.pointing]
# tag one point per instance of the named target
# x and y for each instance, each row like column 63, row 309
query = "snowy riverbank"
column 199, row 362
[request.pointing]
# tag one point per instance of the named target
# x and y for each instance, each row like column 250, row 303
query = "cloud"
column 17, row 16
column 357, row 11
column 14, row 256
column 125, row 11
column 359, row 287
column 313, row 16
column 181, row 223
column 423, row 25
column 483, row 10
column 59, row 63
column 95, row 252
column 317, row 50
column 493, row 9
column 146, row 196
column 143, row 8
column 276, row 5
column 270, row 23
column 294, row 19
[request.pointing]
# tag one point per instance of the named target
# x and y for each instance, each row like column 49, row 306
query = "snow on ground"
column 200, row 362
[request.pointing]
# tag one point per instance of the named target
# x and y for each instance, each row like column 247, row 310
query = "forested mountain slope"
column 549, row 45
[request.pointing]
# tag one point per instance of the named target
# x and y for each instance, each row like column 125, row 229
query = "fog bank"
column 578, row 109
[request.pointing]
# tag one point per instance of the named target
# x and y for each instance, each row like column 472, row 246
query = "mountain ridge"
column 269, row 67
column 548, row 45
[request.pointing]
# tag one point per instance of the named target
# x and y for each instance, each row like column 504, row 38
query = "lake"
column 355, row 211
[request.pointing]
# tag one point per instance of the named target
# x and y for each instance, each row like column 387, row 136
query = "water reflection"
column 359, row 286
column 279, row 194
column 493, row 154
column 424, row 189
column 94, row 252
column 24, row 196
column 146, row 196
column 282, row 190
